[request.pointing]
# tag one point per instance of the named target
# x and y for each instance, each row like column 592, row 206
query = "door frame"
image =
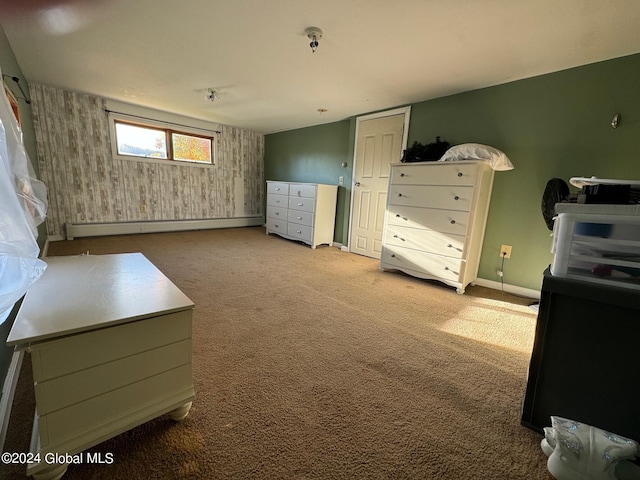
column 405, row 136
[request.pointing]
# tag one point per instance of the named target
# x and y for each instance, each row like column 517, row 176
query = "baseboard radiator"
column 76, row 230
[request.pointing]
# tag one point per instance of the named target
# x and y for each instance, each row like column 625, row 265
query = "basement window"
column 154, row 141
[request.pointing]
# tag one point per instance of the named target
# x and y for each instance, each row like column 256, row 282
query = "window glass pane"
column 187, row 147
column 141, row 141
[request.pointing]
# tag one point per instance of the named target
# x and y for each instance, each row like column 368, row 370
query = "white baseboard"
column 75, row 230
column 514, row 289
column 8, row 392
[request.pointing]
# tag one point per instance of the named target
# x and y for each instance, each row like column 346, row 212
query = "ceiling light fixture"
column 314, row 34
column 212, row 95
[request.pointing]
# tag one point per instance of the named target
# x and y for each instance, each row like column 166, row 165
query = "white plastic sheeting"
column 23, row 207
column 477, row 151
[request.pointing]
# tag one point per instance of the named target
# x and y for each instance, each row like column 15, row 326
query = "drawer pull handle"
column 396, row 236
column 299, row 231
column 276, row 225
column 446, row 268
column 456, row 197
column 277, row 213
column 301, row 204
column 459, row 174
column 393, row 255
column 453, row 222
column 450, row 246
column 399, row 194
column 277, row 189
column 299, row 218
column 402, row 174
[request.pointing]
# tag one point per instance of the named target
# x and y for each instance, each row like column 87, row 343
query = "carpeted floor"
column 313, row 364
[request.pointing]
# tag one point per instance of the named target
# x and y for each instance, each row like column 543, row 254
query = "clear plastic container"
column 597, row 248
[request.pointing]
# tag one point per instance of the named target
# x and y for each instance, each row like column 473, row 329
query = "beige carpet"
column 313, row 364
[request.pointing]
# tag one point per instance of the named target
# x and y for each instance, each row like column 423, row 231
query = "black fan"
column 556, row 191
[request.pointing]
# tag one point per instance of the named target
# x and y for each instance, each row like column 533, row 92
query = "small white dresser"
column 435, row 220
column 302, row 211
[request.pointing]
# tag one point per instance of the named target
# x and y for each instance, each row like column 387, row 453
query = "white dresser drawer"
column 302, row 203
column 436, row 173
column 68, row 390
column 448, row 197
column 277, row 225
column 278, row 200
column 426, row 240
column 425, row 263
column 446, row 221
column 300, row 217
column 276, row 212
column 302, row 190
column 278, row 188
column 85, row 350
column 300, row 232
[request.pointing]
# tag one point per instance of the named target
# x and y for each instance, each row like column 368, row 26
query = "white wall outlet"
column 341, row 181
column 505, row 251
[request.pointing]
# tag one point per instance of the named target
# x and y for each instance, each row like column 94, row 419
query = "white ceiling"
column 375, row 54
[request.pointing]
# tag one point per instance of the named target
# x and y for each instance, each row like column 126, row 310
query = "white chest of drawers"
column 302, row 211
column 435, row 220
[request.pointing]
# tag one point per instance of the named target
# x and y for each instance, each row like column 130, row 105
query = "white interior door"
column 379, row 142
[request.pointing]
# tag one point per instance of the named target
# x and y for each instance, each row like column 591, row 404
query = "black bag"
column 425, row 153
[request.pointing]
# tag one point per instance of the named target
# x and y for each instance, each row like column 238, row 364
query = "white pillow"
column 476, row 151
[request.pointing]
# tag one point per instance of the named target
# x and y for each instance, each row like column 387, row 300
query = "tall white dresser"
column 302, row 211
column 435, row 220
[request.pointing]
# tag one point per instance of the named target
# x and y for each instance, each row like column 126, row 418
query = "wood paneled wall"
column 86, row 185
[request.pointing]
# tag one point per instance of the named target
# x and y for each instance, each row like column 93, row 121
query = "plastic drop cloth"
column 23, row 207
column 477, row 151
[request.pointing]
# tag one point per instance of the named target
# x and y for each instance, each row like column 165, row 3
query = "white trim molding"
column 406, row 111
column 513, row 289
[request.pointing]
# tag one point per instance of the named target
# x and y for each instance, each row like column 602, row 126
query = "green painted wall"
column 555, row 125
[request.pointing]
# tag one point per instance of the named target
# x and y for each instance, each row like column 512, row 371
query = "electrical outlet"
column 505, row 251
column 340, row 180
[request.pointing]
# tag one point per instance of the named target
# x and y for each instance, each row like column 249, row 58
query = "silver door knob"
column 357, row 184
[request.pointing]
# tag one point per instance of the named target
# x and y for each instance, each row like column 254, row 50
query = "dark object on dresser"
column 423, row 153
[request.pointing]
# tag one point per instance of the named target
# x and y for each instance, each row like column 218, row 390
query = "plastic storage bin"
column 597, row 248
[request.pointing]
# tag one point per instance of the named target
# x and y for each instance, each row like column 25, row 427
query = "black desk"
column 585, row 363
